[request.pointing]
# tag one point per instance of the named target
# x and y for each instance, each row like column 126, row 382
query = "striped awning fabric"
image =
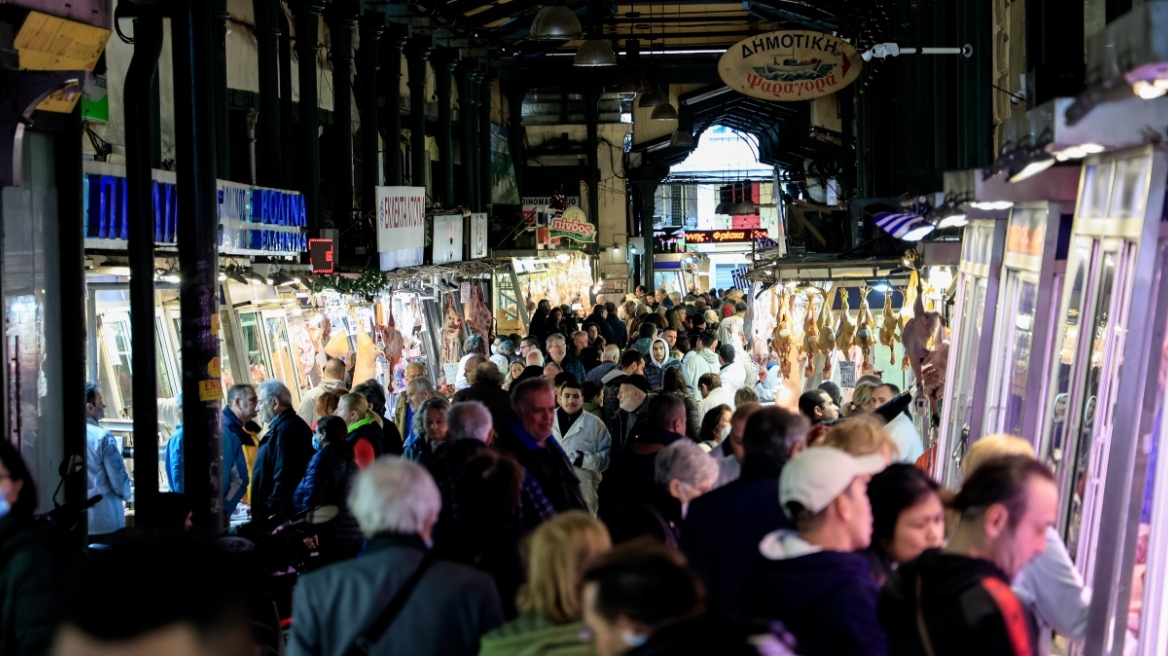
column 897, row 224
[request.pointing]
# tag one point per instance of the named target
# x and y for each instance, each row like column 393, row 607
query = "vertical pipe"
column 472, row 121
column 219, row 73
column 341, row 21
column 372, row 24
column 71, row 262
column 484, row 162
column 395, row 41
column 592, row 176
column 466, row 136
column 418, row 52
column 515, row 95
column 444, row 60
column 199, row 264
column 270, row 158
column 139, row 187
column 286, row 164
column 307, row 15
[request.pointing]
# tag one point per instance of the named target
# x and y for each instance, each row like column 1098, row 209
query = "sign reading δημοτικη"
column 789, row 66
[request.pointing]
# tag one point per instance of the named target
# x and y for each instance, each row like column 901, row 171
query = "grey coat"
column 450, row 609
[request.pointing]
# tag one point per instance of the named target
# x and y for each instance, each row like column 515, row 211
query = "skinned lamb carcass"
column 919, row 334
column 810, row 336
column 393, row 344
column 826, row 327
column 865, row 332
column 784, row 338
column 479, row 317
column 888, row 328
column 451, row 333
column 847, row 328
column 365, row 365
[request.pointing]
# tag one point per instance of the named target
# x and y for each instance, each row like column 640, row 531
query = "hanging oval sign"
column 790, row 65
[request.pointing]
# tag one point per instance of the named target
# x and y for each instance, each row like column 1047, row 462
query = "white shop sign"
column 401, row 226
column 448, row 236
column 478, row 235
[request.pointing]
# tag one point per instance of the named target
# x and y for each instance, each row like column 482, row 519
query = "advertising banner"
column 789, row 66
column 401, row 226
column 478, row 236
column 448, row 237
column 573, row 224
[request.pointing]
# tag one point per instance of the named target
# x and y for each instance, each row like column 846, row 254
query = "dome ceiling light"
column 664, row 112
column 555, row 23
column 681, row 139
column 595, row 52
column 652, row 98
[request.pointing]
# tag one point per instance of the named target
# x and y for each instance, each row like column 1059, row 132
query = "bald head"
column 334, row 369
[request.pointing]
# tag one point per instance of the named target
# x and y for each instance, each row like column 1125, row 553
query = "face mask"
column 633, row 640
column 316, row 442
column 5, row 507
column 494, row 349
column 725, row 432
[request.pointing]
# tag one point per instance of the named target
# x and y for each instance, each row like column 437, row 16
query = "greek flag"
column 739, row 277
column 897, row 224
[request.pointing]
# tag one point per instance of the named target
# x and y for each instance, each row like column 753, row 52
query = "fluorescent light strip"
column 707, row 51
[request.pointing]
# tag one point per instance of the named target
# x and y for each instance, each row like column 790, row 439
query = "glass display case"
column 976, row 306
column 1100, row 408
column 1033, row 270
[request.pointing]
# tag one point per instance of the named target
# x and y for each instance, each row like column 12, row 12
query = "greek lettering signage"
column 573, row 224
column 723, row 236
column 252, row 220
column 401, row 226
column 789, row 66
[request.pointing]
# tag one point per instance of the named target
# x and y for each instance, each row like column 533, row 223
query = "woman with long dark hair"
column 907, row 517
column 37, row 563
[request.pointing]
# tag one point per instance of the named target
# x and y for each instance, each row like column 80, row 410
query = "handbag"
column 363, row 644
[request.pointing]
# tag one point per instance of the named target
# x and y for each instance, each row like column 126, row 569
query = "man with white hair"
column 682, row 472
column 529, row 438
column 557, row 349
column 445, row 607
column 468, row 431
column 608, row 360
column 418, row 391
column 534, row 359
column 283, row 453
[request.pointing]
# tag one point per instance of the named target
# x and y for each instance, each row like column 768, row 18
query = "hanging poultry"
column 920, row 334
column 810, row 335
column 826, row 329
column 847, row 328
column 865, row 332
column 888, row 328
column 784, row 337
column 365, row 366
column 909, row 294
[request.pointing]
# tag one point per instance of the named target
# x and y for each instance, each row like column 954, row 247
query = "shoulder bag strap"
column 923, row 630
column 363, row 645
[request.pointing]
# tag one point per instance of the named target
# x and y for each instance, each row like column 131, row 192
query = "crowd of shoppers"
column 612, row 483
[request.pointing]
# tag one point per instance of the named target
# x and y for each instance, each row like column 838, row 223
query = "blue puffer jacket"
column 326, row 483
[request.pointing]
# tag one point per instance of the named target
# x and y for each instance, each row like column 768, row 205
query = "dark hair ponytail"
column 26, row 501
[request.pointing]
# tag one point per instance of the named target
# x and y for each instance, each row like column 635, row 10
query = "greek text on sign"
column 401, row 218
column 574, row 225
column 789, row 66
column 722, row 236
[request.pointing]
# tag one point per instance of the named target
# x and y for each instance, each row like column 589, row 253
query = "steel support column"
column 342, row 19
column 192, row 36
column 287, row 136
column 592, row 145
column 416, row 55
column 515, row 93
column 466, row 136
column 444, row 61
column 395, row 40
column 219, row 76
column 472, row 121
column 307, row 15
column 140, row 77
column 267, row 32
column 484, row 161
column 372, row 24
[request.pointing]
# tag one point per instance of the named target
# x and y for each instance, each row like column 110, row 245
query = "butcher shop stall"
column 563, row 277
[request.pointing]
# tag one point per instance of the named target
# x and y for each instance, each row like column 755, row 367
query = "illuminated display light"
column 723, row 236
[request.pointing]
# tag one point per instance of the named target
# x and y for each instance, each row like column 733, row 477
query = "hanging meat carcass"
column 826, row 329
column 392, row 342
column 784, row 337
column 847, row 327
column 451, row 333
column 479, row 317
column 888, row 328
column 921, row 334
column 365, row 366
column 810, row 336
column 909, row 294
column 865, row 333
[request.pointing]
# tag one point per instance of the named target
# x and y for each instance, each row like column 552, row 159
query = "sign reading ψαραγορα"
column 789, row 66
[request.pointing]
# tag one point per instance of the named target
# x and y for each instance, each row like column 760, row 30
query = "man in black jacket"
column 620, row 332
column 958, row 600
column 722, row 530
column 529, row 439
column 283, row 454
column 486, row 387
column 811, row 579
column 663, row 423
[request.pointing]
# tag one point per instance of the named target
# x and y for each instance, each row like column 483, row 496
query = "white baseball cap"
column 818, row 475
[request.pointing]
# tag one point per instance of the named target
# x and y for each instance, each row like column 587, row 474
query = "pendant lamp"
column 555, row 23
column 681, row 139
column 664, row 112
column 595, row 52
